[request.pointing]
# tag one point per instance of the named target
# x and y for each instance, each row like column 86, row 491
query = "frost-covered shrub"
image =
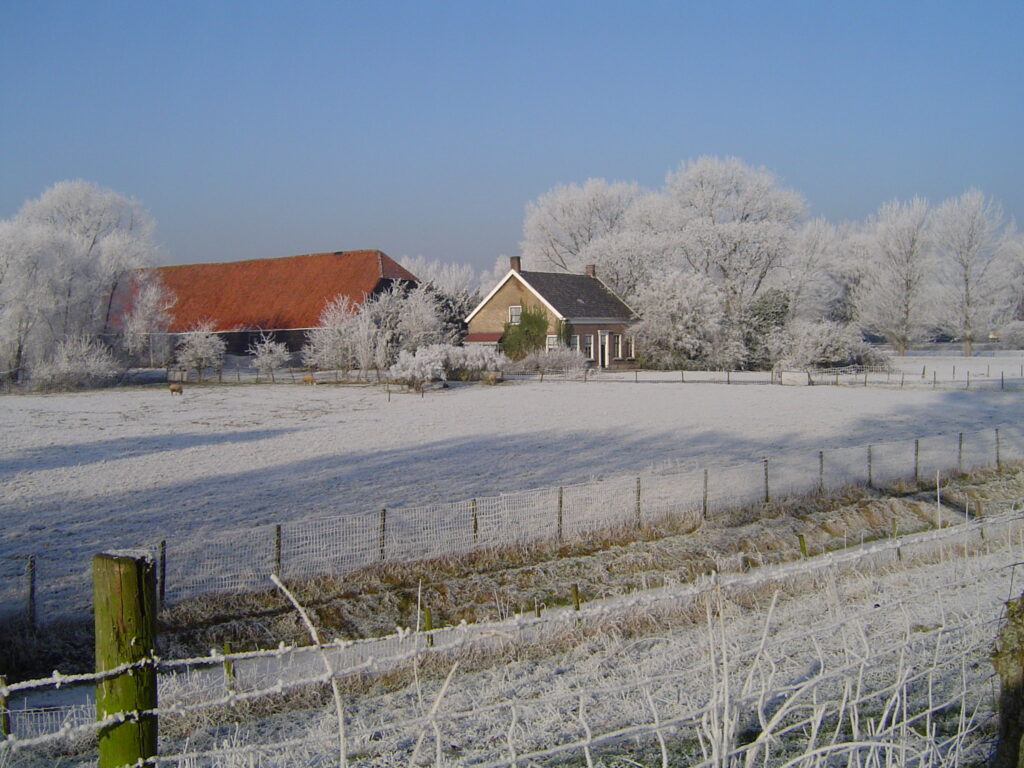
column 443, row 362
column 681, row 319
column 806, row 344
column 559, row 359
column 1012, row 335
column 467, row 363
column 200, row 349
column 419, row 368
column 76, row 362
column 268, row 355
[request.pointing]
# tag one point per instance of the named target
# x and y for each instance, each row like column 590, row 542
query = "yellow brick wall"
column 493, row 316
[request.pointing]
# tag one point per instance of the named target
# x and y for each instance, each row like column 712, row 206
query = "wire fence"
column 880, row 656
column 242, row 560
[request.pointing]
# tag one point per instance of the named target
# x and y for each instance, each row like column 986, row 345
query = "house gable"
column 491, row 314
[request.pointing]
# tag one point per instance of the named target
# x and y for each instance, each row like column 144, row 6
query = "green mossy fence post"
column 229, row 670
column 803, row 545
column 124, row 606
column 1008, row 660
column 30, row 579
column 428, row 624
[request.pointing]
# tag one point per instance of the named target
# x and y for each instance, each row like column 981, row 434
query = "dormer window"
column 514, row 313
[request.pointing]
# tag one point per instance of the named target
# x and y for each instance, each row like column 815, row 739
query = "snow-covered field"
column 129, row 467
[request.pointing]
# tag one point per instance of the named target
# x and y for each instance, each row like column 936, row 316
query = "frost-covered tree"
column 329, row 346
column 562, row 221
column 682, row 321
column 77, row 361
column 628, row 260
column 146, row 323
column 896, row 296
column 63, row 255
column 804, row 273
column 268, row 355
column 734, row 224
column 453, row 289
column 971, row 242
column 200, row 348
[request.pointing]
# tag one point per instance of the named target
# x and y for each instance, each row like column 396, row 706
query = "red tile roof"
column 282, row 293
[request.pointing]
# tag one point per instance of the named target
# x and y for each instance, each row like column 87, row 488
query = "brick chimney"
column 515, row 263
column 591, row 270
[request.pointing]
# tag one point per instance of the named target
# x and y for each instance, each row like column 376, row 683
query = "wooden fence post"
column 704, row 505
column 637, row 510
column 124, row 605
column 575, row 590
column 960, row 454
column 476, row 521
column 428, row 624
column 5, row 718
column 163, row 573
column 1008, row 660
column 229, row 670
column 277, row 550
column 383, row 529
column 803, row 545
column 767, row 495
column 821, row 472
column 30, row 578
column 917, row 461
column 561, row 507
column 871, row 479
column 935, row 379
column 999, row 463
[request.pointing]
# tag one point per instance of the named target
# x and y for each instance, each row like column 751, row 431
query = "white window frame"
column 514, row 319
column 588, row 345
column 551, row 342
column 574, row 342
column 617, row 345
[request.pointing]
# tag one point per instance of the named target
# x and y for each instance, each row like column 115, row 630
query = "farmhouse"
column 283, row 295
column 598, row 320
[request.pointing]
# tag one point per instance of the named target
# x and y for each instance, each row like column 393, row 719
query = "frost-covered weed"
column 562, row 359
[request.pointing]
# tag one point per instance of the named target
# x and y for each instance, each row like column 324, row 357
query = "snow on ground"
column 127, row 467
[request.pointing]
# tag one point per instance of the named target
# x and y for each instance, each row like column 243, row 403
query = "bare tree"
column 895, row 295
column 971, row 242
column 565, row 219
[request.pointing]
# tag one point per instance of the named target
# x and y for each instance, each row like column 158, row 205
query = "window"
column 514, row 314
column 588, row 346
column 574, row 342
column 617, row 345
column 551, row 342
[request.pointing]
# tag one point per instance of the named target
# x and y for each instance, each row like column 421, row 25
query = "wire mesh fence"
column 882, row 656
column 241, row 560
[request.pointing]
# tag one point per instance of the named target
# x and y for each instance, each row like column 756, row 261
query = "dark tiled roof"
column 282, row 293
column 578, row 296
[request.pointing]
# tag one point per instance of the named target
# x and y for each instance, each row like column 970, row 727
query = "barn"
column 284, row 296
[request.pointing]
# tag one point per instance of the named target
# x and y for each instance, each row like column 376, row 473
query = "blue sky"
column 259, row 129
